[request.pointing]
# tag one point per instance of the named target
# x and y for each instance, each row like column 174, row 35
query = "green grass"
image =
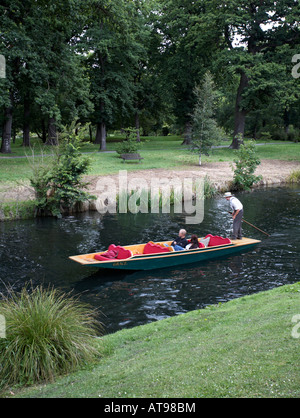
column 295, row 177
column 17, row 210
column 158, row 153
column 243, row 348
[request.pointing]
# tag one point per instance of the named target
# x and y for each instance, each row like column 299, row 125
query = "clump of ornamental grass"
column 294, row 177
column 48, row 333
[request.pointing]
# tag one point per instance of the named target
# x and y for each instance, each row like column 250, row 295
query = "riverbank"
column 17, row 201
column 219, row 174
column 247, row 347
column 278, row 162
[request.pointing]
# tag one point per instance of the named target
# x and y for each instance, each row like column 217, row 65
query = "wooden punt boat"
column 140, row 261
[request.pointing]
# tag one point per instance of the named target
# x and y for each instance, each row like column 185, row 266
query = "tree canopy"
column 137, row 63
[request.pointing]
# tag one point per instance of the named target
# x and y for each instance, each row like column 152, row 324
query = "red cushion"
column 114, row 251
column 123, row 253
column 217, row 240
column 106, row 256
column 151, row 248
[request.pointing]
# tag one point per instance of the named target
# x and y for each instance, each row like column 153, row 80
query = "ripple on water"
column 38, row 251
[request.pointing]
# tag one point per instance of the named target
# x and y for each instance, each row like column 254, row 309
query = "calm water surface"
column 38, row 250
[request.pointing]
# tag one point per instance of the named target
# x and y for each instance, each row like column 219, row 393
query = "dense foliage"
column 205, row 132
column 58, row 182
column 246, row 162
column 130, row 145
column 136, row 63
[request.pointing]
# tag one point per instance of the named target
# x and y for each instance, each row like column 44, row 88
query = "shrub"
column 293, row 134
column 294, row 177
column 279, row 135
column 128, row 147
column 130, row 144
column 245, row 166
column 265, row 136
column 58, row 182
column 17, row 209
column 47, row 333
column 209, row 189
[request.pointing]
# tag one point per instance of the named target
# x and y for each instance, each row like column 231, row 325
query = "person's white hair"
column 182, row 231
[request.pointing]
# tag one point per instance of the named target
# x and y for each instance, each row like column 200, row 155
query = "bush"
column 293, row 134
column 209, row 189
column 17, row 209
column 130, row 144
column 47, row 333
column 246, row 164
column 128, row 147
column 265, row 136
column 58, row 183
column 294, row 177
column 279, row 135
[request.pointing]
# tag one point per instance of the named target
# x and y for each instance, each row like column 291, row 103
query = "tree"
column 61, row 85
column 12, row 40
column 149, row 95
column 113, row 51
column 253, row 33
column 44, row 75
column 205, row 132
column 188, row 45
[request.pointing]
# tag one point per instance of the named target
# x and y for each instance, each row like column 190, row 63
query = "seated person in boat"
column 180, row 242
column 194, row 243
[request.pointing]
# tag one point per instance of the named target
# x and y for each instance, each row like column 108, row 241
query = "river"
column 37, row 251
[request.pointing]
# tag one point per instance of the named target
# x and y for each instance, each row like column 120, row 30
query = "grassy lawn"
column 243, row 348
column 158, row 152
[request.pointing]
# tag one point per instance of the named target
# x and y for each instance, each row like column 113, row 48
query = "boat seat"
column 152, row 248
column 114, row 252
column 217, row 240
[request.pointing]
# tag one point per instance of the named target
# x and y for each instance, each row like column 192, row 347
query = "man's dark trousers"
column 237, row 225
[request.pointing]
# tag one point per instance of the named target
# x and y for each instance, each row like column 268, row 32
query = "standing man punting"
column 237, row 215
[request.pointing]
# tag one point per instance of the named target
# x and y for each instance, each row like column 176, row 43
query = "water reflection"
column 38, row 250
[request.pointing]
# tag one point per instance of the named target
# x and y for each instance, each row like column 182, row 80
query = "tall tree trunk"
column 101, row 136
column 286, row 120
column 240, row 113
column 26, row 125
column 137, row 126
column 52, row 132
column 13, row 134
column 7, row 128
column 187, row 133
column 91, row 132
column 44, row 131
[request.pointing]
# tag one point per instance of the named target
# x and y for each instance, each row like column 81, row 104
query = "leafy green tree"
column 188, row 45
column 149, row 95
column 254, row 32
column 12, row 41
column 205, row 132
column 113, row 51
column 62, row 88
column 44, row 74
